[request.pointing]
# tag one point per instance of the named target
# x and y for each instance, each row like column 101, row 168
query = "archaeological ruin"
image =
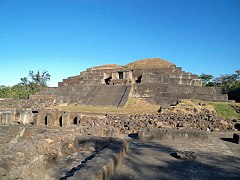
column 155, row 80
column 182, row 138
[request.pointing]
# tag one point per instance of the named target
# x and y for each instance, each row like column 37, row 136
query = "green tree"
column 7, row 92
column 26, row 87
column 230, row 84
column 207, row 79
column 37, row 78
column 227, row 81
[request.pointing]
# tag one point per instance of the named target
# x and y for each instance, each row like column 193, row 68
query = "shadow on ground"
column 228, row 140
column 147, row 160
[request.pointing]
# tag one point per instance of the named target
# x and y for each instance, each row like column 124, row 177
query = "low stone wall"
column 105, row 161
column 26, row 104
column 173, row 134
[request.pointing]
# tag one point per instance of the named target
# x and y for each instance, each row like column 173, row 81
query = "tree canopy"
column 230, row 84
column 207, row 79
column 26, row 87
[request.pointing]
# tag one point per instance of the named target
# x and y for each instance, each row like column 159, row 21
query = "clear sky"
column 65, row 37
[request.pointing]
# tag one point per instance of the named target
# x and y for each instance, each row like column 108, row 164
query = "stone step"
column 107, row 95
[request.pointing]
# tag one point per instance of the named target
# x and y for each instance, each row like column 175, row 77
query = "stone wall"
column 167, row 76
column 8, row 117
column 152, row 92
column 5, row 117
column 91, row 76
column 65, row 94
column 26, row 104
column 167, row 94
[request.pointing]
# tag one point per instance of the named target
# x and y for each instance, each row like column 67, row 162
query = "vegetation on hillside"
column 221, row 109
column 230, row 84
column 27, row 86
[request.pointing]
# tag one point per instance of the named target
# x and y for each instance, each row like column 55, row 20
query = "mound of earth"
column 150, row 63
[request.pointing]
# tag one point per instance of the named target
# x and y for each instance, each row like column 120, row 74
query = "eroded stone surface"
column 55, row 154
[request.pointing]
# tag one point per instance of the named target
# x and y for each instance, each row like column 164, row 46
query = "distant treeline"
column 230, row 84
column 27, row 86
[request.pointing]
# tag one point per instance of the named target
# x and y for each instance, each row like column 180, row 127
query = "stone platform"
column 219, row 158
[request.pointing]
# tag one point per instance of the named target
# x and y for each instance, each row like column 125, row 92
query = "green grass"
column 224, row 110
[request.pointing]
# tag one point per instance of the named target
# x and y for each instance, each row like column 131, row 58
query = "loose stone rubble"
column 184, row 155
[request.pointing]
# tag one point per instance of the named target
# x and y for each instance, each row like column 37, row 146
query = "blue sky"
column 65, row 37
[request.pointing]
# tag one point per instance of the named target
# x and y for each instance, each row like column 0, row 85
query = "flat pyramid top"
column 150, row 63
column 107, row 66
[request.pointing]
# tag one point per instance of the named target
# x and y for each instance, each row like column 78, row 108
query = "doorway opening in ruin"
column 60, row 121
column 46, row 120
column 107, row 80
column 75, row 121
column 17, row 116
column 139, row 79
column 120, row 74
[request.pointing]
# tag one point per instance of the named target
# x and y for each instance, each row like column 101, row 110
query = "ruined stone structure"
column 115, row 124
column 88, row 147
column 155, row 80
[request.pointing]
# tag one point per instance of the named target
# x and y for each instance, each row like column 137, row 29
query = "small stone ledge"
column 62, row 155
column 105, row 162
column 172, row 134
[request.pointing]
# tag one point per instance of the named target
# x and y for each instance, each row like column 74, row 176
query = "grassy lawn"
column 224, row 110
